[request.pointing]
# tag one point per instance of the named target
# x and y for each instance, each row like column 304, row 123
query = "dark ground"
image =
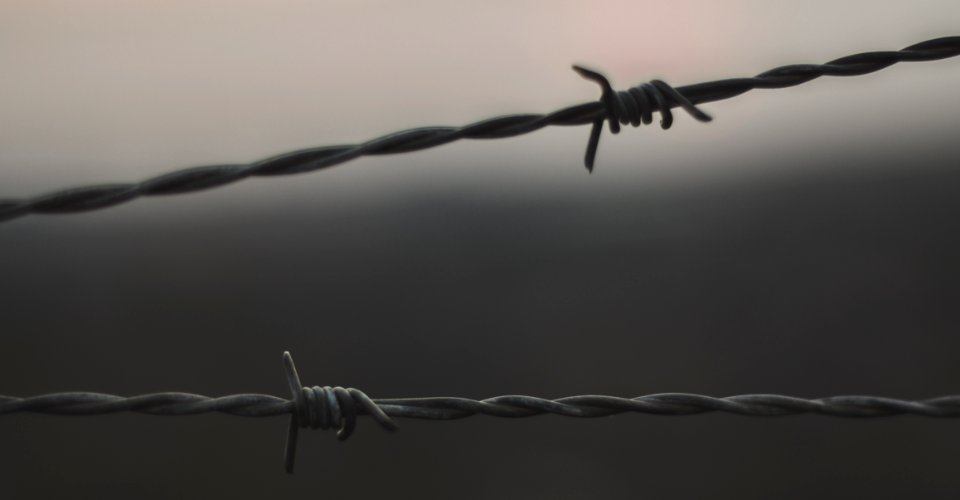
column 810, row 284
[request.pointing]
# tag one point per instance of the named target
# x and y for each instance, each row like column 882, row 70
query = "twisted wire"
column 513, row 406
column 612, row 108
column 337, row 407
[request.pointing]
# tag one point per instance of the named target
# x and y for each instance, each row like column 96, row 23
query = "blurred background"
column 805, row 243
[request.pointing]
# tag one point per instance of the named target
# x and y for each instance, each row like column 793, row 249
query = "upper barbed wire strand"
column 307, row 160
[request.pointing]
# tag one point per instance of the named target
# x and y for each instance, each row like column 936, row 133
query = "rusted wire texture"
column 634, row 106
column 338, row 407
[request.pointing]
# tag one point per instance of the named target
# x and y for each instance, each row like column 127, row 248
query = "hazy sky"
column 110, row 90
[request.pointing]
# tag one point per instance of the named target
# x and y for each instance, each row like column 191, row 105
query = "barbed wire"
column 634, row 106
column 338, row 407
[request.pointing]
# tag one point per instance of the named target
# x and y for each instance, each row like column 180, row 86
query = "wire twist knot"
column 633, row 107
column 324, row 408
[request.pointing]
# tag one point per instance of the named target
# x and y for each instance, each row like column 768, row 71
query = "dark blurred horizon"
column 829, row 281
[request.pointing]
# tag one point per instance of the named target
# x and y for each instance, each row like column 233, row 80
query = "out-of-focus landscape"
column 805, row 242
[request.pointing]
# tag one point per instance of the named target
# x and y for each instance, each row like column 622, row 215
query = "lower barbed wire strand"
column 633, row 106
column 337, row 407
column 325, row 407
column 446, row 408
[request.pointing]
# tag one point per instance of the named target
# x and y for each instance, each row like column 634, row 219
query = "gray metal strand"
column 337, row 407
column 307, row 160
column 511, row 406
column 164, row 403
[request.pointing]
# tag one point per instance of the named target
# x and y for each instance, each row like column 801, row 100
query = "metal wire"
column 634, row 106
column 326, row 407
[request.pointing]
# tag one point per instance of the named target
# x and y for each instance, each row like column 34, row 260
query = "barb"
column 633, row 106
column 326, row 407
